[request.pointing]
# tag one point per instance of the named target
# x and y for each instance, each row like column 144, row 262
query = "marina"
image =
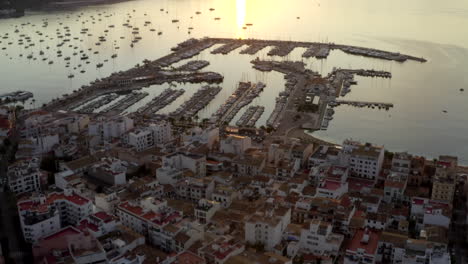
column 15, row 96
column 197, row 102
column 379, row 105
column 160, row 101
column 194, row 65
column 250, row 116
column 243, row 95
column 228, row 47
column 126, row 102
column 102, row 101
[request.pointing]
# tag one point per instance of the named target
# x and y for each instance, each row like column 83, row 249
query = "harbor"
column 98, row 103
column 155, row 72
column 243, row 95
column 159, row 102
column 250, row 116
column 194, row 65
column 361, row 104
column 15, row 96
column 127, row 101
column 197, row 102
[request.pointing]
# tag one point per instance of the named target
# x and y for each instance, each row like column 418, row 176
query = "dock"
column 197, row 102
column 242, row 96
column 253, row 48
column 227, row 48
column 361, row 104
column 159, row 102
column 126, row 102
column 281, row 50
column 100, row 102
column 250, row 116
column 194, row 65
column 155, row 71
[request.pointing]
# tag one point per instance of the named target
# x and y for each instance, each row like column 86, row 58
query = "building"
column 235, row 144
column 179, row 161
column 106, row 128
column 154, row 135
column 266, row 227
column 391, row 247
column 26, row 176
column 205, row 210
column 394, row 190
column 333, row 183
column 221, row 249
column 318, row 239
column 401, row 165
column 110, row 171
column 430, row 212
column 443, row 189
column 365, row 160
column 362, row 248
column 41, row 215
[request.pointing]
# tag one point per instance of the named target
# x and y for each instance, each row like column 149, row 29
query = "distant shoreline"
column 54, row 6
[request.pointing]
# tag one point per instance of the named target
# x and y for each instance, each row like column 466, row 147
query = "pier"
column 194, row 65
column 126, row 102
column 89, row 108
column 227, row 48
column 197, row 102
column 281, row 50
column 244, row 95
column 361, row 104
column 253, row 48
column 250, row 116
column 159, row 102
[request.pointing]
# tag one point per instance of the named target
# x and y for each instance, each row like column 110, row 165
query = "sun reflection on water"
column 241, row 11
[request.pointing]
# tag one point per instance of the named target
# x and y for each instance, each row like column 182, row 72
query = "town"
column 87, row 186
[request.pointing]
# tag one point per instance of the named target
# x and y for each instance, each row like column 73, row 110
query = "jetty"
column 127, row 101
column 242, row 96
column 98, row 103
column 361, row 104
column 194, row 65
column 250, row 116
column 159, row 102
column 198, row 101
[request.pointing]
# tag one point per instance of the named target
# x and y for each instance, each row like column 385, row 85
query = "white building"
column 179, row 161
column 207, row 136
column 37, row 145
column 106, row 128
column 401, row 164
column 154, row 135
column 205, row 210
column 235, row 144
column 110, row 171
column 267, row 227
column 318, row 239
column 42, row 214
column 25, row 176
column 333, row 184
column 429, row 212
column 365, row 160
column 147, row 216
